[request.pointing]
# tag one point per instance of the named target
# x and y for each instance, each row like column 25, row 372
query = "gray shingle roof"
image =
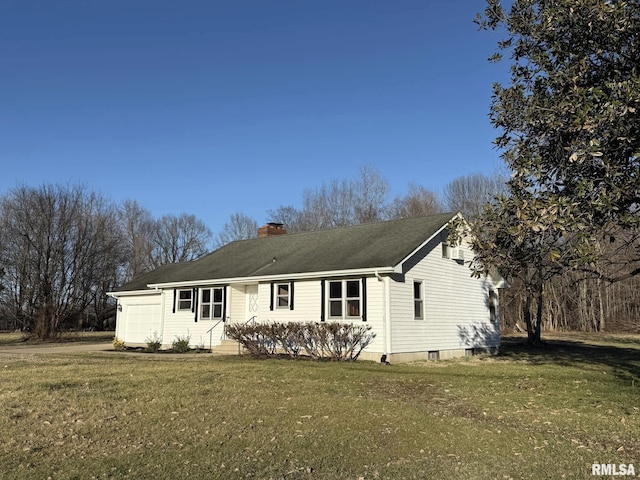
column 372, row 245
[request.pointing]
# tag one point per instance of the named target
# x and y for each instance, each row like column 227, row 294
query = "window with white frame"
column 452, row 252
column 211, row 303
column 282, row 295
column 418, row 301
column 185, row 300
column 345, row 299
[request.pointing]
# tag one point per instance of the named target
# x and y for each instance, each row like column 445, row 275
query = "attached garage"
column 143, row 320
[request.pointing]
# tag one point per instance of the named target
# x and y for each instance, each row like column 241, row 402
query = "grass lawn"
column 540, row 413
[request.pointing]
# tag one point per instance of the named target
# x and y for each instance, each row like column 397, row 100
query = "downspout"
column 163, row 295
column 386, row 331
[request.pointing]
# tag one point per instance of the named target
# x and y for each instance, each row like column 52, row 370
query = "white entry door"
column 251, row 296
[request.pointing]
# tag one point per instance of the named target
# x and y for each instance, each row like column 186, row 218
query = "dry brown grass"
column 544, row 413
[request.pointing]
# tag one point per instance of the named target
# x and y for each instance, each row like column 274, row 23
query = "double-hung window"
column 185, row 300
column 282, row 295
column 345, row 299
column 418, row 301
column 211, row 303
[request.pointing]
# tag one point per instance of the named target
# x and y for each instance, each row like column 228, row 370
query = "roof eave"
column 284, row 276
column 434, row 235
column 128, row 293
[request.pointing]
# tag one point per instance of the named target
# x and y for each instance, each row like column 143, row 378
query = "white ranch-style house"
column 401, row 277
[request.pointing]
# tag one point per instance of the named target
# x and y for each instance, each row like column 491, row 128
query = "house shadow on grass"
column 623, row 360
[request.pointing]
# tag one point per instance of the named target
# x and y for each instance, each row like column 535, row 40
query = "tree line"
column 62, row 248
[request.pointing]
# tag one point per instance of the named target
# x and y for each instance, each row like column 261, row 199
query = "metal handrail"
column 223, row 335
column 210, row 332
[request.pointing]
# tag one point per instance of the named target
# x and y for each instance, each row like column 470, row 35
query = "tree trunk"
column 527, row 318
column 601, row 323
column 538, row 327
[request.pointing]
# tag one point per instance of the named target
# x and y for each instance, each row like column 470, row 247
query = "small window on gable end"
column 185, row 300
column 282, row 295
column 418, row 302
column 446, row 252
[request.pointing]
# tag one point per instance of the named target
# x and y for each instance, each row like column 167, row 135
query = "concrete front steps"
column 228, row 347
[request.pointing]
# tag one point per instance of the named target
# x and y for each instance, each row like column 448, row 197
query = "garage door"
column 143, row 322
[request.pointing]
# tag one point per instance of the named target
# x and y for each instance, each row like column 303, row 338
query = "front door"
column 251, row 296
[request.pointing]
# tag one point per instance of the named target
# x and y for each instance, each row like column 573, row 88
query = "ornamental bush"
column 118, row 345
column 320, row 341
column 154, row 343
column 181, row 344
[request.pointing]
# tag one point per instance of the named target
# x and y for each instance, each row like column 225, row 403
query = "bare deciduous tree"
column 338, row 203
column 239, row 227
column 469, row 194
column 60, row 249
column 288, row 215
column 136, row 224
column 178, row 239
column 417, row 203
column 371, row 193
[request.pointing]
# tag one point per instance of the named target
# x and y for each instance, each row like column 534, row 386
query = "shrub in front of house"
column 118, row 345
column 319, row 341
column 181, row 344
column 154, row 343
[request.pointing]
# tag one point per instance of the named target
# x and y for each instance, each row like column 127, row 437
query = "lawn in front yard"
column 541, row 413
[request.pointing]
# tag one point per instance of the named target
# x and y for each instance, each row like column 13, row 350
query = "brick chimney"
column 271, row 229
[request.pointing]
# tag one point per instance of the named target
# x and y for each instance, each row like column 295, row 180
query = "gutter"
column 128, row 293
column 266, row 278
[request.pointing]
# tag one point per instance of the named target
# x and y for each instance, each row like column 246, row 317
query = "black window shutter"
column 291, row 296
column 193, row 300
column 224, row 304
column 322, row 302
column 175, row 294
column 194, row 303
column 364, row 299
column 271, row 301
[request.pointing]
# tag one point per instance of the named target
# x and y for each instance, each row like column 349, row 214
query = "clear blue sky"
column 211, row 107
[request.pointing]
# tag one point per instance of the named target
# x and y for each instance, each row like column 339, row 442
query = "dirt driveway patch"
column 55, row 348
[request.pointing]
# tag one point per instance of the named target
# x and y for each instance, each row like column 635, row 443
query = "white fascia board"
column 398, row 268
column 267, row 278
column 132, row 293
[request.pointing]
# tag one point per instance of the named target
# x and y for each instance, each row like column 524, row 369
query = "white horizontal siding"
column 455, row 304
column 236, row 304
column 180, row 324
column 306, row 303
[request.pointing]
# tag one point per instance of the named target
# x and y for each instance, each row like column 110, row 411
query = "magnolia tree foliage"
column 569, row 133
column 569, row 118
